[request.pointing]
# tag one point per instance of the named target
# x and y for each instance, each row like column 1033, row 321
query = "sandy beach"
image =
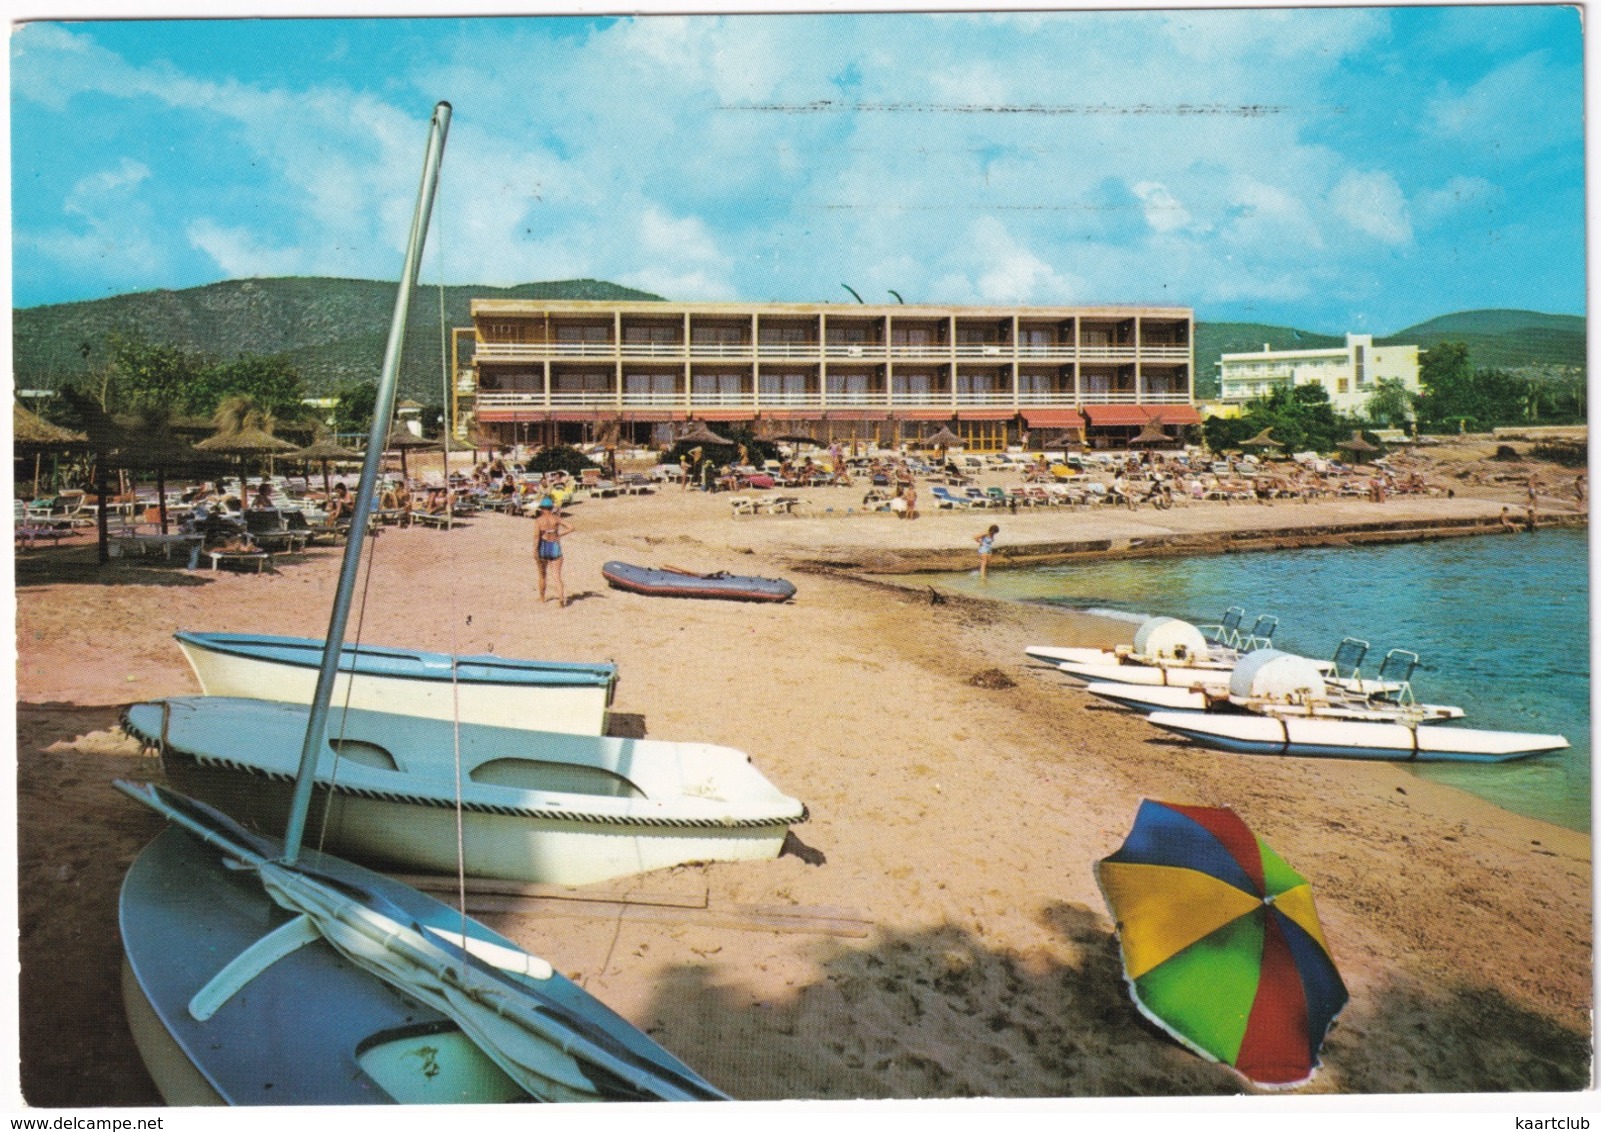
column 944, row 935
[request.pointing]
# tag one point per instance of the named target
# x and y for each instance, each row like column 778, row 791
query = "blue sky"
column 1328, row 168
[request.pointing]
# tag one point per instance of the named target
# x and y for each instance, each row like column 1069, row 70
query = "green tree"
column 143, row 376
column 271, row 381
column 354, row 411
column 1391, row 405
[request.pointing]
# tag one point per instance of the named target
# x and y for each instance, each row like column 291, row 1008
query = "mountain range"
column 333, row 331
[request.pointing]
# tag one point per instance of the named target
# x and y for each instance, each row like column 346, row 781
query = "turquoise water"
column 1502, row 625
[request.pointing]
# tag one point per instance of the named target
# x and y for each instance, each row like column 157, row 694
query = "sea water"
column 1501, row 624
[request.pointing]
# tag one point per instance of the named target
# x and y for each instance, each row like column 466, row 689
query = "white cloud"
column 1372, row 203
column 1458, row 195
column 1163, row 212
column 1516, row 110
column 240, row 253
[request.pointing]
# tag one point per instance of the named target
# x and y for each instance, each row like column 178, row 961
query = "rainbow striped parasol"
column 1221, row 944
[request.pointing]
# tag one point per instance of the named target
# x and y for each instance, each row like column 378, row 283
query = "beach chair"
column 742, row 505
column 1348, row 657
column 1227, row 631
column 944, row 497
column 1261, row 634
column 1396, row 669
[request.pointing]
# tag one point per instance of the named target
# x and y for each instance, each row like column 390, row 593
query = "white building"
column 1350, row 373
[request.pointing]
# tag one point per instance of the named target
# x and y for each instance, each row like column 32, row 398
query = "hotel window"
column 783, row 385
column 720, row 333
column 586, row 332
column 653, row 334
column 716, row 384
column 920, row 336
column 655, row 385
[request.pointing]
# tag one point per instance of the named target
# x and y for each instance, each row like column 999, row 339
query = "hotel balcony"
column 815, row 351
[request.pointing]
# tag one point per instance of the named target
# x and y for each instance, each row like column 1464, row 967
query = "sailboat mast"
column 377, row 437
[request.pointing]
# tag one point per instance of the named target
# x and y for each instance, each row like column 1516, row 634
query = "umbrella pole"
column 102, row 490
column 161, row 495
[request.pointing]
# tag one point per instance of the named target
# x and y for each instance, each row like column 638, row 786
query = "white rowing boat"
column 537, row 807
column 498, row 691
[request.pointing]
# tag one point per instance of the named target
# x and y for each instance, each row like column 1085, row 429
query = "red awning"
column 1133, row 415
column 644, row 416
column 510, row 416
column 1053, row 418
column 849, row 414
column 1175, row 414
column 576, row 415
column 986, row 414
column 1138, row 415
column 925, row 414
column 725, row 414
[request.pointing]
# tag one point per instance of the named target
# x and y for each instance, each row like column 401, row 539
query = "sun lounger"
column 240, row 558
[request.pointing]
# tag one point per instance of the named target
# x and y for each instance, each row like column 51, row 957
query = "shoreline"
column 958, row 802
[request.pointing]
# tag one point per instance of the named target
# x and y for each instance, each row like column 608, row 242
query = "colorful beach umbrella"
column 1221, row 944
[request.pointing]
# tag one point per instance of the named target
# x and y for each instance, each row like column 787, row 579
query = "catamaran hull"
column 1337, row 739
column 1182, row 699
column 536, row 807
column 1050, row 654
column 574, row 699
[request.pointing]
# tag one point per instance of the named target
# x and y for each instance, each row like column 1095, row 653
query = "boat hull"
column 536, row 807
column 1143, row 699
column 670, row 583
column 1339, row 739
column 311, row 1028
column 499, row 692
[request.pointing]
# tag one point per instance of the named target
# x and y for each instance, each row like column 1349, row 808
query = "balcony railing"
column 744, row 351
column 877, row 399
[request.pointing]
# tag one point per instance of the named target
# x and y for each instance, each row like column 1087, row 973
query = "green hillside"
column 1520, row 341
column 333, row 330
column 1525, row 341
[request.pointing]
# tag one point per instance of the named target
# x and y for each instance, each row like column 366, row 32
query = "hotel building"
column 1350, row 374
column 572, row 371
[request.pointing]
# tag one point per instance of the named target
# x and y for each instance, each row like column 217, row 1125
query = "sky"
column 1332, row 169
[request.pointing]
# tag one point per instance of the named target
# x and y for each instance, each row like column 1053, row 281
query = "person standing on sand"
column 986, row 547
column 548, row 531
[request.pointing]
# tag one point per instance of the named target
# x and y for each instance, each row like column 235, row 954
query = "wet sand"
column 944, row 934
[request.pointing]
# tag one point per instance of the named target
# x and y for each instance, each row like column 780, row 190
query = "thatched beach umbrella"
column 32, row 433
column 244, row 429
column 1066, row 441
column 944, row 438
column 325, row 450
column 698, row 433
column 403, row 440
column 1263, row 439
column 1358, row 444
column 1151, row 434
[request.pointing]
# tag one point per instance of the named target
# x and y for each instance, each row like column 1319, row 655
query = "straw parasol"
column 1151, row 434
column 403, row 440
column 1263, row 439
column 28, row 429
column 325, row 450
column 31, row 432
column 1358, row 443
column 243, row 430
column 698, row 433
column 944, row 438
